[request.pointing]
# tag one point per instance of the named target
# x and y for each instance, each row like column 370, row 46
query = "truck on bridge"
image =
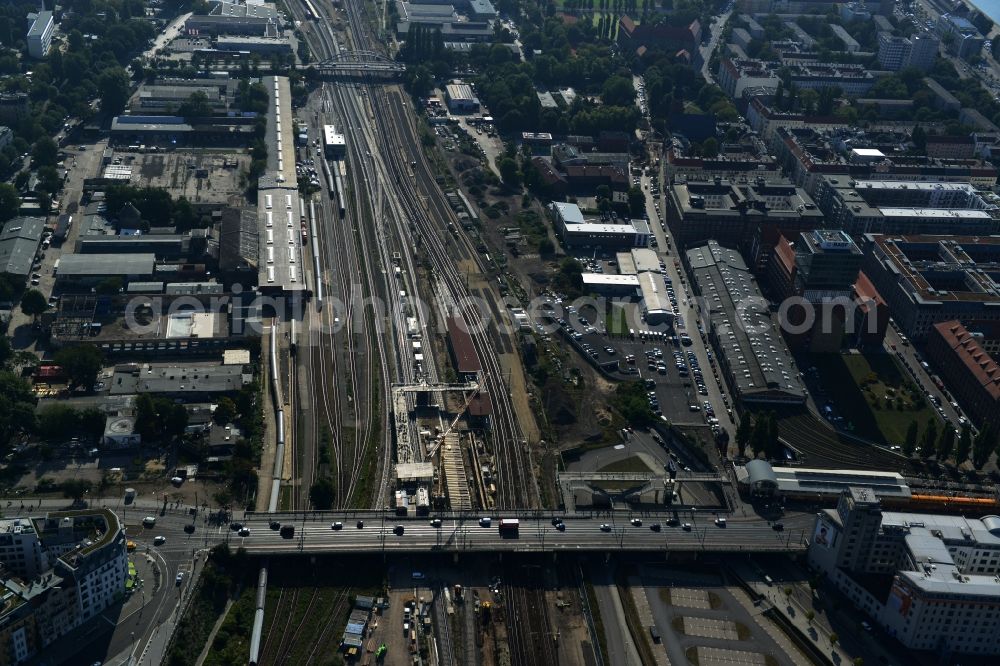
column 509, row 527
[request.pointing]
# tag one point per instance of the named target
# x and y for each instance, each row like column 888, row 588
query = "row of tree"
column 946, row 445
column 759, row 431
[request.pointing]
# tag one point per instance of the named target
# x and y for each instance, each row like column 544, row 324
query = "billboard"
column 825, row 534
column 900, row 598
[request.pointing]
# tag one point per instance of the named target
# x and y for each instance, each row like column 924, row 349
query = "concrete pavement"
column 621, row 648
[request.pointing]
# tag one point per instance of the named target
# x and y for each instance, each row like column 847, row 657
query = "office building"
column 930, row 581
column 928, row 279
column 965, row 41
column 39, row 37
column 968, row 370
column 752, row 354
column 896, row 53
column 742, row 213
column 577, row 231
column 903, row 207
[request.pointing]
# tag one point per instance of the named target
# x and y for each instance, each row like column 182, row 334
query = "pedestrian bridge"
column 359, row 64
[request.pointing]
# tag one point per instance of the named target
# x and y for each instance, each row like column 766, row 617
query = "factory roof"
column 654, row 293
column 107, row 264
column 570, row 213
column 18, row 242
column 602, row 279
column 148, row 378
column 752, row 347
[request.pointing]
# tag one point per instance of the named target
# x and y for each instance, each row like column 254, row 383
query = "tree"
column 322, row 493
column 509, row 173
column 636, row 201
column 929, row 439
column 9, row 201
column 146, row 420
column 115, row 88
column 196, row 106
column 834, row 638
column 710, row 147
column 743, row 432
column 910, row 444
column 946, row 444
column 964, row 447
column 76, row 488
column 82, row 364
column 618, row 91
column 45, row 152
column 225, row 411
column 810, row 616
column 919, row 137
column 983, row 446
column 17, row 406
column 33, row 303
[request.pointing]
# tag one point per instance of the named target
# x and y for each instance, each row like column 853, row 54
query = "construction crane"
column 440, row 438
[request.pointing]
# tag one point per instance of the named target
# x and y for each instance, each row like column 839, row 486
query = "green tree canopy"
column 33, row 303
column 82, row 364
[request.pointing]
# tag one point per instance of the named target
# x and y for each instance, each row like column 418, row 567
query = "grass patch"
column 616, row 321
column 630, row 465
column 640, row 635
column 665, row 596
column 875, row 394
column 285, row 498
column 678, row 624
column 232, row 642
column 692, row 654
column 714, row 601
column 743, row 631
column 224, row 572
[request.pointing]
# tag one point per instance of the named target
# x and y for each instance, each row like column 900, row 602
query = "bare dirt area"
column 201, row 176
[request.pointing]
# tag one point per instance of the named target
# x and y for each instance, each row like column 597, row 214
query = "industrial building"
column 461, row 99
column 578, row 231
column 610, row 285
column 927, row 279
column 929, row 581
column 192, row 383
column 85, row 271
column 19, row 242
column 464, row 356
column 656, row 307
column 751, row 352
column 280, row 269
column 333, row 143
column 39, row 37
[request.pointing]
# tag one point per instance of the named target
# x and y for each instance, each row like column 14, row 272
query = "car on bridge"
column 337, row 525
column 245, row 532
column 636, row 522
column 398, row 530
column 436, row 522
column 159, row 540
column 605, row 527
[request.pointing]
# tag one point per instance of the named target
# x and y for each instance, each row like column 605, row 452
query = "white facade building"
column 39, row 35
column 940, row 574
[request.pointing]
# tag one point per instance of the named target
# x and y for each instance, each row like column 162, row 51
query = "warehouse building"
column 461, row 99
column 656, row 306
column 19, row 242
column 752, row 353
column 85, row 271
column 930, row 581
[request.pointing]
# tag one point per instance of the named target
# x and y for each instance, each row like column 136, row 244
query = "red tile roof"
column 980, row 365
column 462, row 347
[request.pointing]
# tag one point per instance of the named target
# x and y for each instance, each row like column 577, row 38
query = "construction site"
column 443, row 462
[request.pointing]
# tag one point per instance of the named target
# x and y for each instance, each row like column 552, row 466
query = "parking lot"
column 662, row 359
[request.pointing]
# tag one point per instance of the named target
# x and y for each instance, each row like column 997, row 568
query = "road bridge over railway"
column 359, row 64
column 383, row 532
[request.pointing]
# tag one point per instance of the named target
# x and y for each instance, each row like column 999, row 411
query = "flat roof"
column 98, row 265
column 603, row 279
column 569, row 213
column 654, row 292
column 40, row 24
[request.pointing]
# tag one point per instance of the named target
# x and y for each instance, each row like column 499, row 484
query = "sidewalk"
column 795, row 613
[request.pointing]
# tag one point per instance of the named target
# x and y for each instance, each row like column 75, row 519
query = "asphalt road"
column 315, row 535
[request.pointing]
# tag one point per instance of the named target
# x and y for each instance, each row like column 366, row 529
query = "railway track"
column 339, row 606
column 529, row 630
